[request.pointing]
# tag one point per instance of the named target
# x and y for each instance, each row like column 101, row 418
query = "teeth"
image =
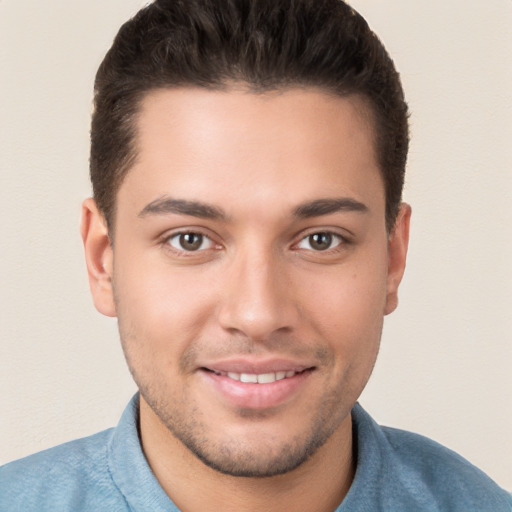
column 262, row 378
column 248, row 377
column 266, row 378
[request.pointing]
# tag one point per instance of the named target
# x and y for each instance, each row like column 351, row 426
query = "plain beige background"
column 446, row 358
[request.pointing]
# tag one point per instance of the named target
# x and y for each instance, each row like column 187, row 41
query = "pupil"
column 191, row 241
column 321, row 241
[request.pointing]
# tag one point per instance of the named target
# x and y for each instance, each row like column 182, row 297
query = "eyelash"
column 167, row 241
column 332, row 236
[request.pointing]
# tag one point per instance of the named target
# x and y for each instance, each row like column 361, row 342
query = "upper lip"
column 251, row 366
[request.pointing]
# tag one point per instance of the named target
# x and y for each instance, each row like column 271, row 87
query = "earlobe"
column 397, row 255
column 98, row 257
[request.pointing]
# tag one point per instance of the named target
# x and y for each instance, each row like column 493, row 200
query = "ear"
column 397, row 254
column 98, row 256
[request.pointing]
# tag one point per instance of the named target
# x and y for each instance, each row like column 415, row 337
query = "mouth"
column 258, row 378
column 256, row 388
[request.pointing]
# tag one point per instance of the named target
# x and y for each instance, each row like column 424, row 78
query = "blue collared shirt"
column 397, row 471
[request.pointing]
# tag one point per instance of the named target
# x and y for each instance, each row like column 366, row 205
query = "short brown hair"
column 267, row 44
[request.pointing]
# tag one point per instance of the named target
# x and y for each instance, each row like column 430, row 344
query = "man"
column 247, row 230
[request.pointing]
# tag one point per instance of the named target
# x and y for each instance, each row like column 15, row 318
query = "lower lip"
column 256, row 396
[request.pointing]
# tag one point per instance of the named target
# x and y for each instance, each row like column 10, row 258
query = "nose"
column 258, row 301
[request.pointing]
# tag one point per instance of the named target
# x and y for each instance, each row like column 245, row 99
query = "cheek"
column 348, row 315
column 160, row 307
column 352, row 302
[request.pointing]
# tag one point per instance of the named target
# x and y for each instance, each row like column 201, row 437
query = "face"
column 251, row 270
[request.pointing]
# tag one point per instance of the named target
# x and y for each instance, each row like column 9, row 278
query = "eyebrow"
column 317, row 208
column 165, row 205
column 328, row 206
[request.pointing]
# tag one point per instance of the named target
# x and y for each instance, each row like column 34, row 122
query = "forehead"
column 292, row 145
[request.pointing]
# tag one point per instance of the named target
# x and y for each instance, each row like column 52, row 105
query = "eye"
column 190, row 242
column 322, row 241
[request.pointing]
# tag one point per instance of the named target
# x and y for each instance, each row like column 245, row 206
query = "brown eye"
column 321, row 241
column 190, row 242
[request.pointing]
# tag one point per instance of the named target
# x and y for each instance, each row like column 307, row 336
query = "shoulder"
column 443, row 470
column 421, row 471
column 72, row 476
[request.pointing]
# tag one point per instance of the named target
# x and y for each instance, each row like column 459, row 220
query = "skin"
column 247, row 173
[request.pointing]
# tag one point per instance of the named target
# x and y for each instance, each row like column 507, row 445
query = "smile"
column 261, row 378
column 255, row 389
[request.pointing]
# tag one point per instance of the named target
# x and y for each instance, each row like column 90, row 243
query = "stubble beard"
column 232, row 457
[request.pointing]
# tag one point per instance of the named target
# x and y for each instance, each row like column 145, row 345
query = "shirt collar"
column 129, row 468
column 133, row 476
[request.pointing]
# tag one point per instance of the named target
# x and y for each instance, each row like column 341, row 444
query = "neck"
column 317, row 485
